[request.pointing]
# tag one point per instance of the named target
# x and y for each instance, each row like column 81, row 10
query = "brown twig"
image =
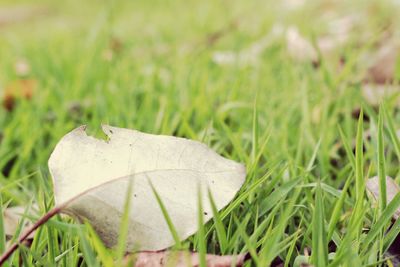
column 28, row 232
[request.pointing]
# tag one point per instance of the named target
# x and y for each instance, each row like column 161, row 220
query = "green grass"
column 289, row 122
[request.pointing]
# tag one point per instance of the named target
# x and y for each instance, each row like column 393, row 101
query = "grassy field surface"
column 292, row 118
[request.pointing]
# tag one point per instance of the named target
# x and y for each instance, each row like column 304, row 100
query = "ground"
column 276, row 85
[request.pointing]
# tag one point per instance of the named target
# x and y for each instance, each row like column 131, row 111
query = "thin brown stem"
column 6, row 255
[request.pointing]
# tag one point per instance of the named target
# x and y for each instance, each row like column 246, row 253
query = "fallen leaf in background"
column 91, row 178
column 12, row 218
column 19, row 89
column 22, row 67
column 383, row 64
column 10, row 15
column 182, row 259
column 378, row 83
column 250, row 55
column 338, row 34
column 374, row 94
column 298, row 47
column 293, row 4
column 392, row 189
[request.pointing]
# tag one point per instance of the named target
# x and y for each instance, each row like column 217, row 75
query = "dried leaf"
column 22, row 67
column 12, row 218
column 182, row 259
column 250, row 55
column 378, row 83
column 298, row 47
column 10, row 15
column 19, row 89
column 301, row 49
column 374, row 93
column 391, row 190
column 382, row 67
column 91, row 177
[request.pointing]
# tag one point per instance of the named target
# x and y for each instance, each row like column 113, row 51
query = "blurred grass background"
column 149, row 65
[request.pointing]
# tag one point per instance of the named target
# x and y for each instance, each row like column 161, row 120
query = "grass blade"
column 167, row 218
column 319, row 256
column 392, row 132
column 381, row 165
column 347, row 148
column 360, row 184
column 383, row 220
column 201, row 233
column 219, row 226
column 338, row 209
column 124, row 227
column 2, row 230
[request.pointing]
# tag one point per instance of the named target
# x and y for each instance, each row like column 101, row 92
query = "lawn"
column 231, row 74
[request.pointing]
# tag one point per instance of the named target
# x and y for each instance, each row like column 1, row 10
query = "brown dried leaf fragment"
column 12, row 15
column 379, row 81
column 375, row 93
column 19, row 89
column 182, row 259
column 383, row 66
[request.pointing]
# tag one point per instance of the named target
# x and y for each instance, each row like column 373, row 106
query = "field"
column 283, row 87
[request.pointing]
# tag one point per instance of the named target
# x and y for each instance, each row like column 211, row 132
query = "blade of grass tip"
column 381, row 164
column 201, row 233
column 360, row 183
column 381, row 175
column 392, row 131
column 243, row 195
column 319, row 255
column 261, row 150
column 313, row 157
column 347, row 148
column 2, row 231
column 17, row 182
column 240, row 153
column 124, row 226
column 102, row 252
column 255, row 130
column 167, row 218
column 337, row 210
column 219, row 226
column 254, row 142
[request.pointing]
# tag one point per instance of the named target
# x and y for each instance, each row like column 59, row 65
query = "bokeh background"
column 270, row 80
